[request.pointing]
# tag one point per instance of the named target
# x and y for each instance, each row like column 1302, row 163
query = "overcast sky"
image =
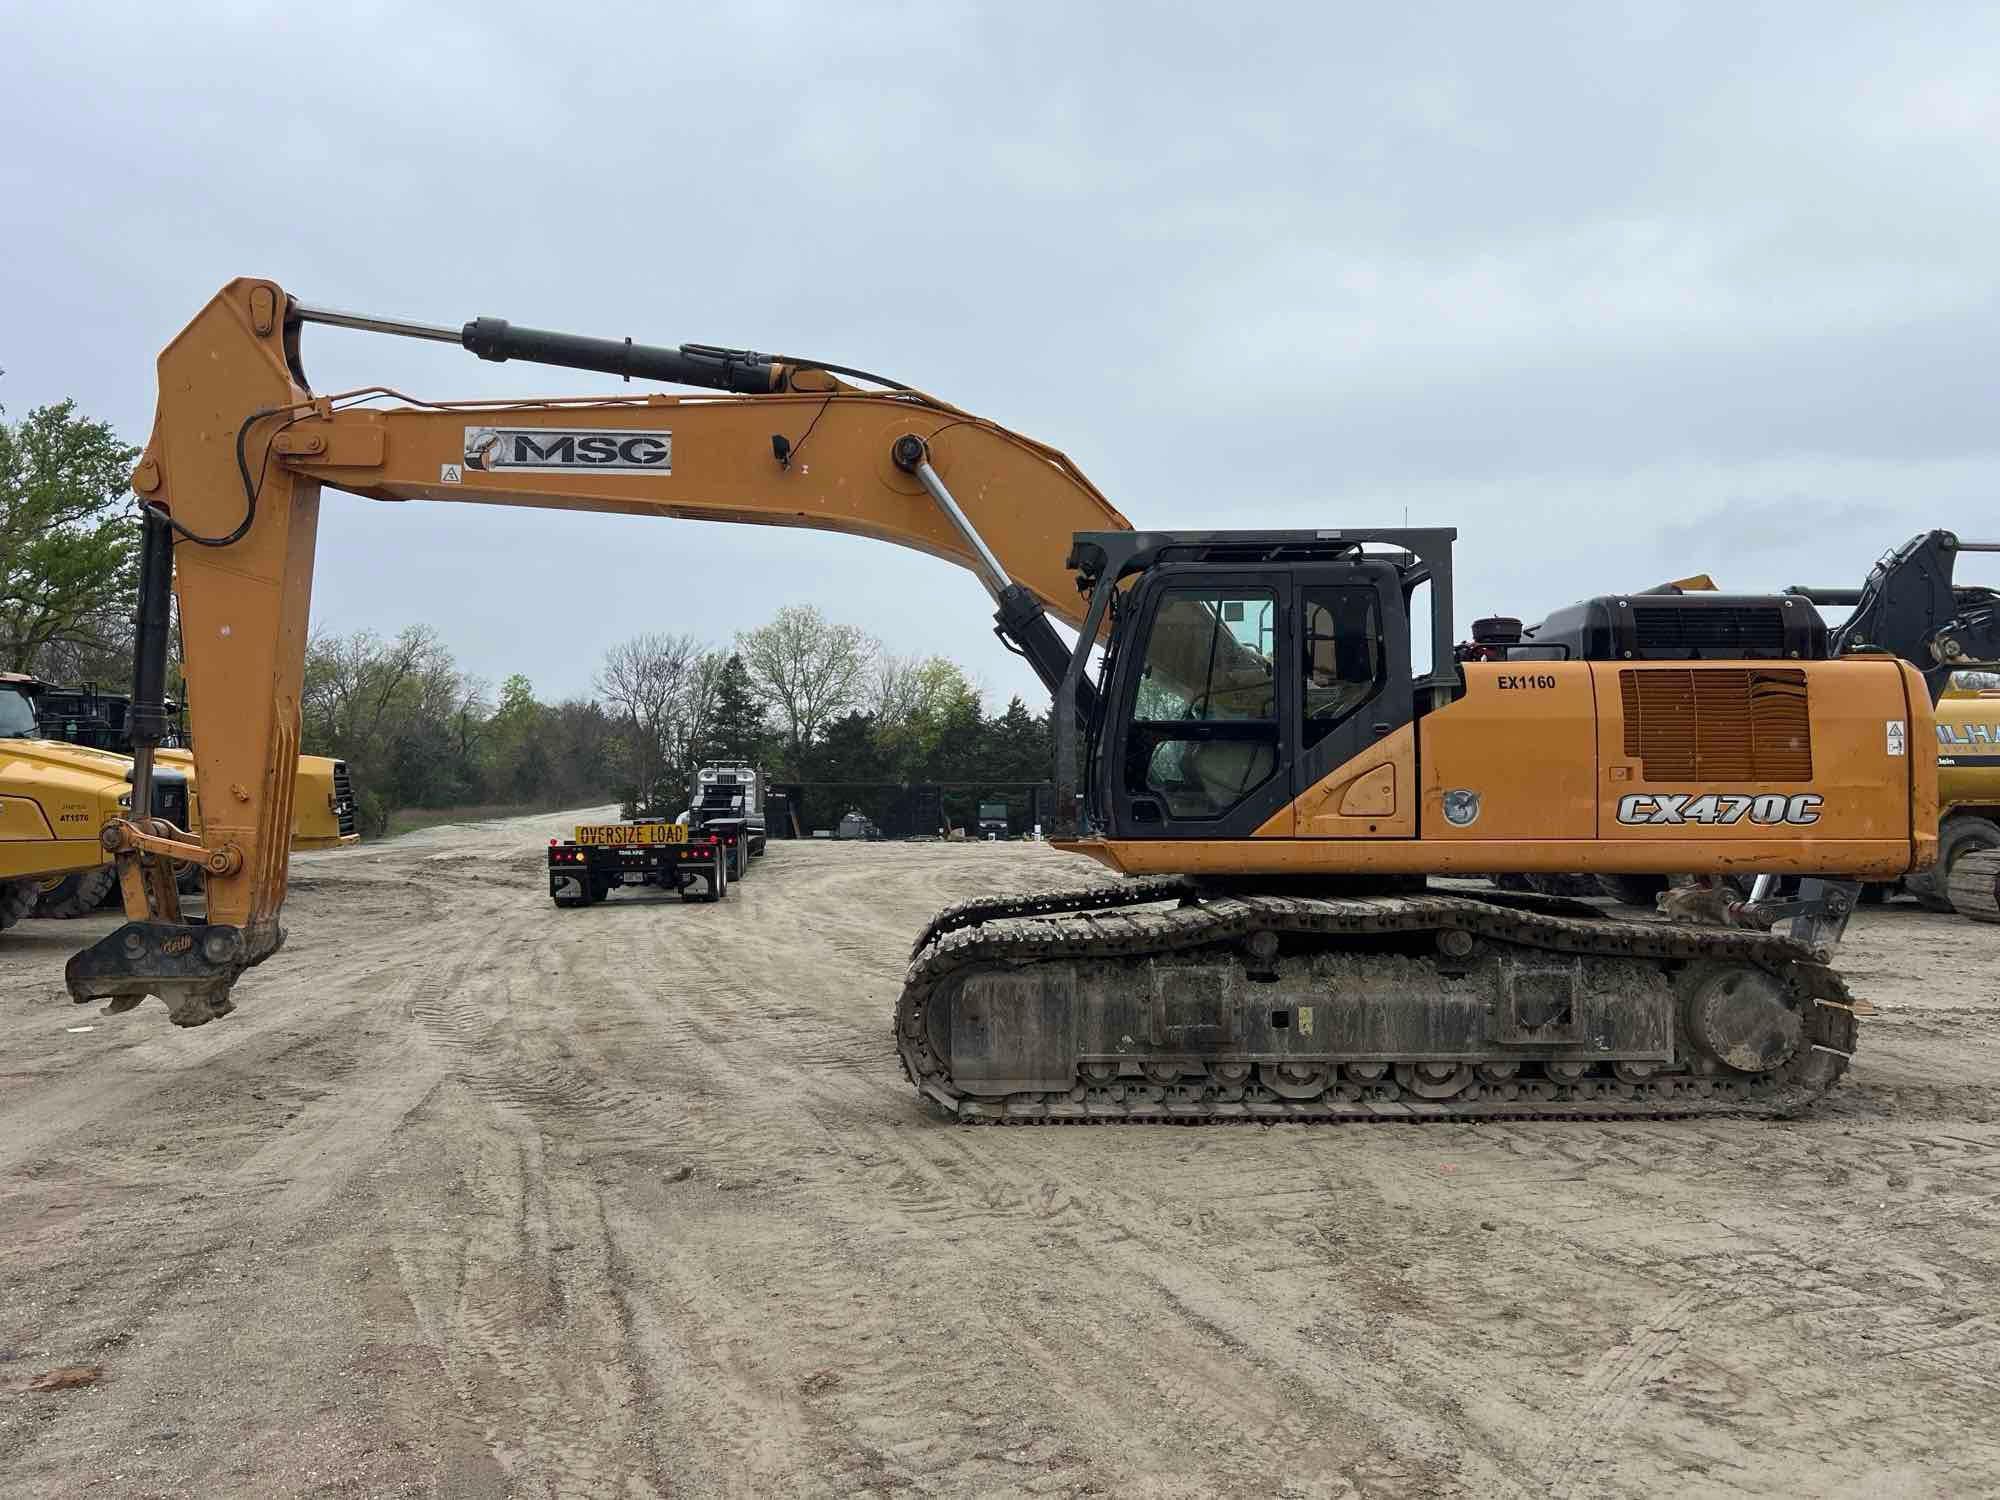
column 1621, row 292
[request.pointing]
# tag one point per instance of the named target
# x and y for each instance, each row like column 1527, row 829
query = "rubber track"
column 1091, row 924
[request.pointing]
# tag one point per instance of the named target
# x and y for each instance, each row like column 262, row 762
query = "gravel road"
column 477, row 1197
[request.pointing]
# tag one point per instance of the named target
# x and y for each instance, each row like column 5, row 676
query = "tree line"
column 804, row 698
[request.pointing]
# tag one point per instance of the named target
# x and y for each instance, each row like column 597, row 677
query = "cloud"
column 1622, row 291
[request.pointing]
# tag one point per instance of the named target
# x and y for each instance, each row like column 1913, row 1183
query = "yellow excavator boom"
column 241, row 447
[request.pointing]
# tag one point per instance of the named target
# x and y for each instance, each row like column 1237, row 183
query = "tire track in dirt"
column 1599, row 1406
column 847, row 1296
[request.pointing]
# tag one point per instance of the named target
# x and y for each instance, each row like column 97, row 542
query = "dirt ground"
column 475, row 1197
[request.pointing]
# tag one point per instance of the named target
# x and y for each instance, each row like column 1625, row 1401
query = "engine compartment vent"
column 1727, row 630
column 1718, row 723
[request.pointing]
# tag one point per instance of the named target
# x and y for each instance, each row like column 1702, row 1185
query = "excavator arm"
column 1910, row 607
column 230, row 484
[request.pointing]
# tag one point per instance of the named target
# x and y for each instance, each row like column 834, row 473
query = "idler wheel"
column 1434, row 1080
column 1739, row 1016
column 1295, row 1080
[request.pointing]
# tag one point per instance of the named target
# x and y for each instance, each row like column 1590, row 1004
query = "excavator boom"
column 241, row 447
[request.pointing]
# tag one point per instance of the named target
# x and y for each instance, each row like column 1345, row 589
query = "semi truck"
column 727, row 798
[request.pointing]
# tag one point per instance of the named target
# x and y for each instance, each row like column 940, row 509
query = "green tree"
column 68, row 544
column 517, row 742
column 1019, row 748
column 736, row 724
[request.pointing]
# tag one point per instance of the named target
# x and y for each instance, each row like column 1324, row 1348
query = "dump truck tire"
column 17, row 899
column 76, row 895
column 1958, row 835
column 1975, row 886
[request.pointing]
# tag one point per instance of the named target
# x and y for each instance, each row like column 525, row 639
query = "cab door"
column 1354, row 773
column 1204, row 706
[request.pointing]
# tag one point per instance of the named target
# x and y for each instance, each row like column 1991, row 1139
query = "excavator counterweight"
column 1276, row 741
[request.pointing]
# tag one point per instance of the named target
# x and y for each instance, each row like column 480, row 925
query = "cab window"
column 1205, row 718
column 1341, row 657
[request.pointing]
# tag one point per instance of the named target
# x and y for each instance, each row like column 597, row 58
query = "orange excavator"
column 1267, row 729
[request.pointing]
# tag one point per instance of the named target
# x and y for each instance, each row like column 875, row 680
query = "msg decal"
column 1715, row 808
column 550, row 450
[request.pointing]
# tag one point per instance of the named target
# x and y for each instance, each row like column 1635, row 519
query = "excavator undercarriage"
column 1154, row 1001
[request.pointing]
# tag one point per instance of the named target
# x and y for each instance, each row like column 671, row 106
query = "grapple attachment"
column 191, row 967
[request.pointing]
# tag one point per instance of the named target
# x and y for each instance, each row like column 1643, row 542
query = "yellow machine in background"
column 55, row 797
column 323, row 813
column 322, row 801
column 1968, row 749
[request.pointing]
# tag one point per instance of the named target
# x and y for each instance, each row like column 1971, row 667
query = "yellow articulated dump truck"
column 1968, row 732
column 322, row 805
column 55, row 796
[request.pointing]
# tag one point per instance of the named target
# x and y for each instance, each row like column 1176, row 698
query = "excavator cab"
column 1244, row 667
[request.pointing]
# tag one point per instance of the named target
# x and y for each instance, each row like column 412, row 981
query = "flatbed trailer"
column 600, row 857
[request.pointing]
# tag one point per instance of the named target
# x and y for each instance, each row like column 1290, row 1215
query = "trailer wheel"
column 76, row 895
column 1959, row 835
column 17, row 899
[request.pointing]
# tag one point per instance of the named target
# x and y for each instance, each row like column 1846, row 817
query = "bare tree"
column 807, row 669
column 358, row 686
column 910, row 697
column 649, row 681
column 895, row 691
column 688, row 729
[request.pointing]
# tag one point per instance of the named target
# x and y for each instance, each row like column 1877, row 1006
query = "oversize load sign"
column 568, row 450
column 1713, row 808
